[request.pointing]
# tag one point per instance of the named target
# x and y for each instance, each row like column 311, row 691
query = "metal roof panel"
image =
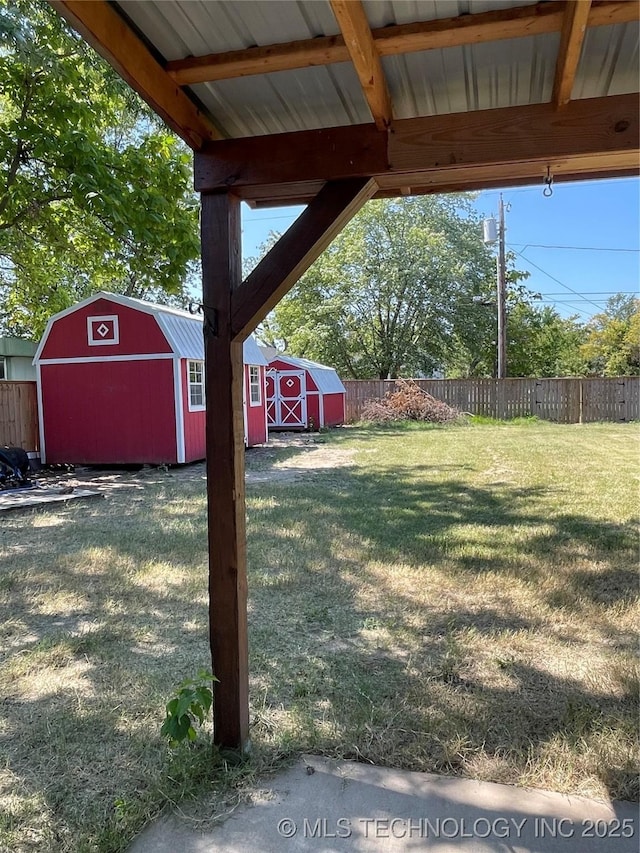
column 199, row 27
column 326, row 378
column 473, row 77
column 389, row 12
column 610, row 62
column 251, row 353
column 184, row 333
column 305, row 99
column 458, row 79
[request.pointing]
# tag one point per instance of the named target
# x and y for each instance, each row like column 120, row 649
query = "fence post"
column 19, row 415
column 581, row 413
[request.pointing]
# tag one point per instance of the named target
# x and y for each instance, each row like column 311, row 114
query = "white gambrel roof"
column 326, row 378
column 182, row 330
column 252, row 354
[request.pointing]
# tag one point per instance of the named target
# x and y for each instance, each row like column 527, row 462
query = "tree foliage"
column 542, row 343
column 408, row 289
column 405, row 290
column 94, row 192
column 383, row 299
column 612, row 345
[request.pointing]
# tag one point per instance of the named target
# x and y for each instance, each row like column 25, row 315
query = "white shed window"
column 3, row 367
column 196, row 385
column 255, row 392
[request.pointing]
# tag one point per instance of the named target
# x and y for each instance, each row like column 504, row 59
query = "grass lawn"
column 460, row 600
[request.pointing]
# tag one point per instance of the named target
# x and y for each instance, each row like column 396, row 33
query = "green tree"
column 612, row 346
column 472, row 348
column 94, row 192
column 384, row 298
column 542, row 343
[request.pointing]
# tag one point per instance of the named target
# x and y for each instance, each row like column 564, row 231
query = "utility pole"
column 502, row 292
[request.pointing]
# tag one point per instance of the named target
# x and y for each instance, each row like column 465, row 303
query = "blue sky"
column 584, row 238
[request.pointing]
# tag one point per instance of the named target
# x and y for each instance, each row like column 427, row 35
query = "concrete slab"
column 344, row 807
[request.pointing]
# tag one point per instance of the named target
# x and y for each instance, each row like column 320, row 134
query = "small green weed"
column 192, row 701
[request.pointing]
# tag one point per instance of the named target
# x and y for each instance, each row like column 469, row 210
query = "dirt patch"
column 287, row 457
column 291, row 456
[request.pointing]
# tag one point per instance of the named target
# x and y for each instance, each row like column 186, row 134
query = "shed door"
column 286, row 398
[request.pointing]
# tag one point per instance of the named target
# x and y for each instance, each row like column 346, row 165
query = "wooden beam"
column 339, row 152
column 520, row 174
column 460, row 183
column 464, row 180
column 598, row 131
column 356, row 31
column 496, row 25
column 296, row 250
column 221, row 275
column 574, row 28
column 535, row 133
column 258, row 60
column 105, row 30
column 477, row 28
column 604, row 13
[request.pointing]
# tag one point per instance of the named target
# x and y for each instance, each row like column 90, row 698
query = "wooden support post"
column 221, row 274
column 304, row 241
column 231, row 312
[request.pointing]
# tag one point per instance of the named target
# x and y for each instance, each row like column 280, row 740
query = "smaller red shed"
column 121, row 381
column 303, row 394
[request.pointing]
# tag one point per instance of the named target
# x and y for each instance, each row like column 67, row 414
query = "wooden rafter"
column 258, row 60
column 477, row 28
column 103, row 28
column 297, row 249
column 574, row 28
column 356, row 32
column 589, row 136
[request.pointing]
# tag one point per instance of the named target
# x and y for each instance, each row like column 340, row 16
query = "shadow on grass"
column 386, row 677
column 389, row 676
column 103, row 612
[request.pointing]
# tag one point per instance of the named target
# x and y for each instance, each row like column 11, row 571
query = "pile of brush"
column 408, row 402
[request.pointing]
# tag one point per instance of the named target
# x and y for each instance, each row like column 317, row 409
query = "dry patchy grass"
column 461, row 600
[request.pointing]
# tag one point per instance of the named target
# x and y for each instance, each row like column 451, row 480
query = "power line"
column 557, row 281
column 574, row 309
column 573, row 248
column 600, row 293
column 567, row 301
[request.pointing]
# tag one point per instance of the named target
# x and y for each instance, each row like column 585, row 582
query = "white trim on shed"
column 182, row 330
column 326, row 378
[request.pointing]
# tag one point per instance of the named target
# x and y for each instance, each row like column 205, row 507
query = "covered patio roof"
column 428, row 95
column 331, row 103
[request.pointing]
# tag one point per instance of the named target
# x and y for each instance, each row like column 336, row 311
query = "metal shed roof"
column 326, row 378
column 182, row 330
column 17, row 347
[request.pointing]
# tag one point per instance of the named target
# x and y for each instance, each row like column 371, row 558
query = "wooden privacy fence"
column 566, row 401
column 19, row 415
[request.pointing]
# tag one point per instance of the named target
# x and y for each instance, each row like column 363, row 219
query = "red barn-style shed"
column 303, row 394
column 121, row 381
